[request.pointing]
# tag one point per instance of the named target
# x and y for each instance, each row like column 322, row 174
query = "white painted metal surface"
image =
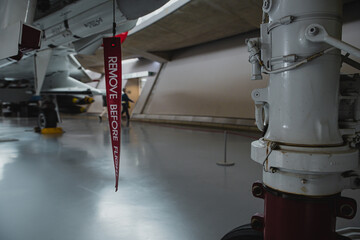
column 11, row 36
column 306, row 171
column 61, row 83
column 82, row 22
column 317, row 33
column 306, row 160
column 167, row 9
column 303, row 151
column 41, row 62
column 12, row 16
column 14, row 11
column 350, row 232
column 77, row 24
column 300, row 112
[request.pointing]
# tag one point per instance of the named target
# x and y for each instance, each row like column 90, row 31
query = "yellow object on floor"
column 52, row 130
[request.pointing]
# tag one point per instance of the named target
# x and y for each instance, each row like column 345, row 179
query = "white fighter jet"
column 39, row 40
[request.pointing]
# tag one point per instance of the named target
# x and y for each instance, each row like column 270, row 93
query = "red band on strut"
column 112, row 62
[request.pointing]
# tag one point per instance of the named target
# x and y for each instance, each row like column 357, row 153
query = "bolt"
column 346, row 210
column 313, row 31
column 303, row 181
column 266, row 4
column 256, row 223
column 257, row 191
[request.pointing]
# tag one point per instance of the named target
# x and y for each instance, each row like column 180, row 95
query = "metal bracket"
column 260, row 97
column 317, row 33
column 282, row 21
column 57, row 109
column 267, row 4
column 41, row 62
column 254, row 50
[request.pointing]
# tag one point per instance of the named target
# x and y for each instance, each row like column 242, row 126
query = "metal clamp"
column 260, row 98
column 253, row 49
column 282, row 21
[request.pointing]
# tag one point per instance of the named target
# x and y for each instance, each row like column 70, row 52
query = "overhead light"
column 131, row 60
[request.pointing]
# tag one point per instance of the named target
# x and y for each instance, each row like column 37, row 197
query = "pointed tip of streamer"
column 116, row 189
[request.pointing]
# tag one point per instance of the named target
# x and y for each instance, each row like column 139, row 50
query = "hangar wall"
column 209, row 80
column 211, row 83
column 206, row 84
column 139, row 66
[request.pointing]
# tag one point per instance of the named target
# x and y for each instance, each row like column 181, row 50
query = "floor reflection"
column 62, row 187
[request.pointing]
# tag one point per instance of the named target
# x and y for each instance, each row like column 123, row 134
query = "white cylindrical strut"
column 303, row 102
column 302, row 151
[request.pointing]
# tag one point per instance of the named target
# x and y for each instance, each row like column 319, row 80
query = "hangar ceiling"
column 199, row 21
column 196, row 22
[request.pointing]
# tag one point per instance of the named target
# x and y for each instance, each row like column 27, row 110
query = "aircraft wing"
column 63, row 76
column 68, row 27
column 62, row 59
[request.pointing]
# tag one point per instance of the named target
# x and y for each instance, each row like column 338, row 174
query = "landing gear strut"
column 308, row 156
column 47, row 117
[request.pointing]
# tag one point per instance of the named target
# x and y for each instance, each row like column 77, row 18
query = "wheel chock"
column 56, row 130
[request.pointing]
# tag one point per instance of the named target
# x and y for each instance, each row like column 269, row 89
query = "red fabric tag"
column 112, row 63
column 122, row 36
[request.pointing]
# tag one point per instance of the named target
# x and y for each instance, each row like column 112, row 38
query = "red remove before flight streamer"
column 112, row 63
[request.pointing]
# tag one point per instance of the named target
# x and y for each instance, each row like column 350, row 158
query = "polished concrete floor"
column 62, row 187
